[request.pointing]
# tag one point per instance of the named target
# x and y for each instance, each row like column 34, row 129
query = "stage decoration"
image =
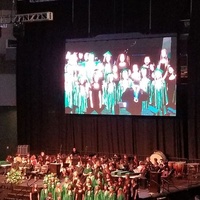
column 14, row 176
column 51, row 179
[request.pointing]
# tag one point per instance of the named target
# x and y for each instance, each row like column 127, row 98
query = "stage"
column 184, row 188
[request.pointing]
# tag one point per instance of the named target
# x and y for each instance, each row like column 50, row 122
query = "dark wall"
column 40, row 60
column 8, row 131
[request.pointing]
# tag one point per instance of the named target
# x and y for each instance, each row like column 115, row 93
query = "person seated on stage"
column 15, row 164
column 68, row 160
column 96, row 169
column 111, row 166
column 140, row 168
column 79, row 168
column 47, row 160
column 18, row 158
column 120, row 165
column 107, row 178
column 22, row 166
column 87, row 170
column 164, row 169
column 135, row 161
column 148, row 163
column 29, row 168
column 124, row 162
column 63, row 170
column 156, row 166
column 148, row 167
column 9, row 159
column 42, row 158
column 33, row 160
column 58, row 158
column 106, row 169
column 75, row 177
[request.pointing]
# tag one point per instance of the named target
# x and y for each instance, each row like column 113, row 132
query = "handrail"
column 23, row 193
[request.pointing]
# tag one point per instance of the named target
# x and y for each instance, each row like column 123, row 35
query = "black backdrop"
column 42, row 123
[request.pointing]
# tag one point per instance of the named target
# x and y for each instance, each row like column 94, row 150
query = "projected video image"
column 121, row 77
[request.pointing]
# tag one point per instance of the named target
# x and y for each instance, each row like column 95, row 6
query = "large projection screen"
column 129, row 74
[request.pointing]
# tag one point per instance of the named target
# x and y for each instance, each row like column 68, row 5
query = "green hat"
column 107, row 53
column 158, row 70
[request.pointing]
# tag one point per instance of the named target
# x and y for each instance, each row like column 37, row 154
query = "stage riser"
column 19, row 193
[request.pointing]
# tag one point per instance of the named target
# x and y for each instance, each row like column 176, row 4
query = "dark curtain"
column 40, row 102
column 194, row 83
column 130, row 135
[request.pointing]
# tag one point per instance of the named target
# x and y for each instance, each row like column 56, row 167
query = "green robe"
column 121, row 197
column 43, row 194
column 89, row 195
column 57, row 194
column 98, row 195
column 105, row 195
column 159, row 96
column 69, row 195
column 112, row 196
column 111, row 97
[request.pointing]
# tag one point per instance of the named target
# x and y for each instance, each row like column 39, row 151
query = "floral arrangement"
column 14, row 176
column 50, row 179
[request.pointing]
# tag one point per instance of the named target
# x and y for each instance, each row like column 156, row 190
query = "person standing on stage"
column 134, row 190
column 44, row 192
column 34, row 195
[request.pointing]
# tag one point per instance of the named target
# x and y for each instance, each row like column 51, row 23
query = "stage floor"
column 182, row 188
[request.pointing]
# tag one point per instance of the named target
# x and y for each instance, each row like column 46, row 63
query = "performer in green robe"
column 112, row 194
column 159, row 96
column 111, row 91
column 69, row 195
column 105, row 192
column 58, row 191
column 98, row 195
column 120, row 194
column 89, row 193
column 67, row 182
column 51, row 189
column 83, row 92
column 44, row 192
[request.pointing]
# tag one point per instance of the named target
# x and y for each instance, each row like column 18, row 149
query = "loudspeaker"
column 18, row 30
column 155, row 182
